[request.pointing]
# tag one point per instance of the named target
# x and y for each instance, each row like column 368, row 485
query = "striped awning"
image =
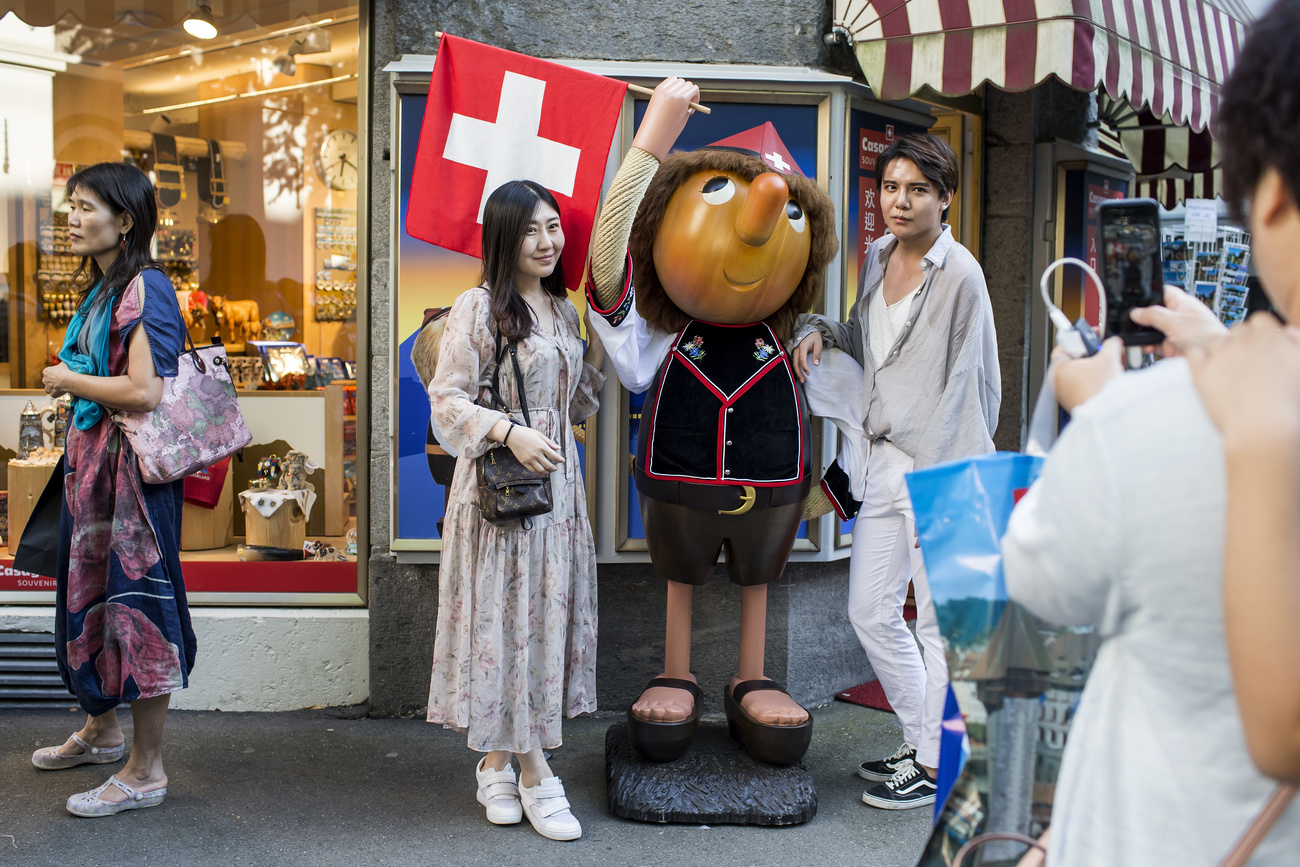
column 1166, row 55
column 1172, row 162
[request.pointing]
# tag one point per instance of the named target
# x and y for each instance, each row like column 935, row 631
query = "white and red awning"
column 1166, row 55
column 1172, row 162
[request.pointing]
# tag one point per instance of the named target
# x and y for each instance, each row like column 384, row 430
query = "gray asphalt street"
column 324, row 787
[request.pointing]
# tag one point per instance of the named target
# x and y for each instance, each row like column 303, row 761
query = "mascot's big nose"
column 764, row 206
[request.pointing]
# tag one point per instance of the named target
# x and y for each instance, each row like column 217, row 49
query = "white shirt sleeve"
column 635, row 347
column 1059, row 553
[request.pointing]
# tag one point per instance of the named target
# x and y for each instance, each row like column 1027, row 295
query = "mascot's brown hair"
column 653, row 303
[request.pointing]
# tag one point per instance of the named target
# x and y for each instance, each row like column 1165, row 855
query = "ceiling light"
column 199, row 24
column 285, row 63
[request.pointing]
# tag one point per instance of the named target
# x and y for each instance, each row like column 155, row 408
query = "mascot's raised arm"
column 700, row 263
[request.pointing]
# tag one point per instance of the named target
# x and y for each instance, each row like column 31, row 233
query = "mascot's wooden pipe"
column 700, row 264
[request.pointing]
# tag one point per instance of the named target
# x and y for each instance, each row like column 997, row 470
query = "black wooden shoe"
column 773, row 744
column 665, row 741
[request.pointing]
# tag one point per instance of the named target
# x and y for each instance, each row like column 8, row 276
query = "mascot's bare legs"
column 664, row 704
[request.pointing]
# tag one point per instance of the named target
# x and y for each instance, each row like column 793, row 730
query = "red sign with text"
column 1097, row 193
column 16, row 579
column 871, row 224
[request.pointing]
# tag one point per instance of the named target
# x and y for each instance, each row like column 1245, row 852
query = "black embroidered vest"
column 724, row 410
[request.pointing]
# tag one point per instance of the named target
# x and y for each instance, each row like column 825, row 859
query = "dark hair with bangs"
column 1259, row 108
column 506, row 216
column 931, row 154
column 653, row 303
column 122, row 188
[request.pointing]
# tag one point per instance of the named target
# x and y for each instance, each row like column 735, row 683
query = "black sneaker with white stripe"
column 910, row 787
column 884, row 769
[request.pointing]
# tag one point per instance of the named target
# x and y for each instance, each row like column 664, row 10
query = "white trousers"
column 883, row 560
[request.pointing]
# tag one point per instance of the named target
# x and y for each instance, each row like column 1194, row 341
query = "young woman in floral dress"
column 516, row 637
column 122, row 626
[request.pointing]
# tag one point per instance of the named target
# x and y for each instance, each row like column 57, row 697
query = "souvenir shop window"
column 252, row 139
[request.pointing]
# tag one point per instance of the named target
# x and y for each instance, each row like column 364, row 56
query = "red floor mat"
column 870, row 694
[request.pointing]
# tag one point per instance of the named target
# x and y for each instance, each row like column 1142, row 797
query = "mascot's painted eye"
column 718, row 190
column 795, row 213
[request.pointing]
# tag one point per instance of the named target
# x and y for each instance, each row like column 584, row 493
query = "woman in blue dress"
column 122, row 625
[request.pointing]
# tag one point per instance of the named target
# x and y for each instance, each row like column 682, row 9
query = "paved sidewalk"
column 317, row 788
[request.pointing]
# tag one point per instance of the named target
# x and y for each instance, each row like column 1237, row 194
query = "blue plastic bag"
column 962, row 509
column 996, row 654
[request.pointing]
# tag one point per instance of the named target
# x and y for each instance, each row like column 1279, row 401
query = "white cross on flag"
column 494, row 116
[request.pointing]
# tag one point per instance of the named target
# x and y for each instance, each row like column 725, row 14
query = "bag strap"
column 1009, row 836
column 493, row 389
column 188, row 347
column 519, row 378
column 1259, row 827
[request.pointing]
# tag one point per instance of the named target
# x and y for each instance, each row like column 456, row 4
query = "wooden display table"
column 26, row 482
column 276, row 518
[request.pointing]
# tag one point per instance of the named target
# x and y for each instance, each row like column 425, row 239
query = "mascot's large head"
column 732, row 233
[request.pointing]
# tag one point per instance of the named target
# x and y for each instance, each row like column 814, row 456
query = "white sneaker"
column 548, row 810
column 497, row 791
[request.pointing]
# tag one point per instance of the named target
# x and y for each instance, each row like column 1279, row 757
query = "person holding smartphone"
column 1124, row 530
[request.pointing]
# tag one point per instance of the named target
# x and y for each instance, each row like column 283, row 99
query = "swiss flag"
column 495, row 116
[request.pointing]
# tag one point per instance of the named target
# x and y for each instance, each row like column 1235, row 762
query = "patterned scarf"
column 85, row 350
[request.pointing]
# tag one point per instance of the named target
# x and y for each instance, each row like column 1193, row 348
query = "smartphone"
column 1131, row 266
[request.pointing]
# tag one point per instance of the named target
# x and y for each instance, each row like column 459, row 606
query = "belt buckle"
column 747, row 498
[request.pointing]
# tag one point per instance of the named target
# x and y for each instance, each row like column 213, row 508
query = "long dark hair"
column 506, row 216
column 121, row 188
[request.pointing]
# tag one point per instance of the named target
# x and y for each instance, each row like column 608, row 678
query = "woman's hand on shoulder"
column 1249, row 383
column 54, row 379
column 536, row 451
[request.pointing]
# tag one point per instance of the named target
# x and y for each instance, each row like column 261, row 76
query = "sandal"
column 665, row 741
column 90, row 805
column 773, row 744
column 499, row 794
column 50, row 759
column 548, row 810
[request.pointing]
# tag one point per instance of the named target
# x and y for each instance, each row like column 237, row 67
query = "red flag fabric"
column 494, row 116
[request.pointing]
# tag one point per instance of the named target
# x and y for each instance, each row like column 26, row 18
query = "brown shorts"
column 684, row 542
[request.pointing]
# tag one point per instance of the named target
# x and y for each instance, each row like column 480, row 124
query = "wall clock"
column 338, row 159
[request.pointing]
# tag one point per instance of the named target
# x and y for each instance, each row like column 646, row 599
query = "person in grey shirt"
column 922, row 331
column 1125, row 529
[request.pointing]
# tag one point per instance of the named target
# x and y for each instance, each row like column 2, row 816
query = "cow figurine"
column 242, row 318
